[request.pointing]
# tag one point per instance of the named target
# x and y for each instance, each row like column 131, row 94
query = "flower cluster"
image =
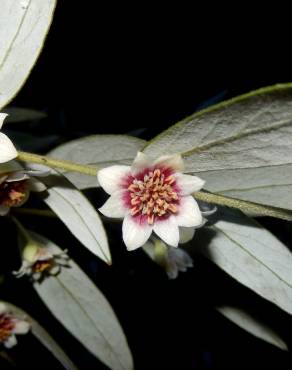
column 16, row 184
column 151, row 195
column 38, row 261
column 10, row 326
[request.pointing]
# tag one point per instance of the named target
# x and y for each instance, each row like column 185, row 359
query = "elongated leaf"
column 247, row 322
column 83, row 310
column 99, row 150
column 43, row 336
column 23, row 28
column 242, row 147
column 250, row 254
column 78, row 215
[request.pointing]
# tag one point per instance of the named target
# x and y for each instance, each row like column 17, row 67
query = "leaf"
column 250, row 254
column 16, row 115
column 77, row 213
column 44, row 337
column 23, row 28
column 255, row 327
column 83, row 310
column 99, row 150
column 242, row 147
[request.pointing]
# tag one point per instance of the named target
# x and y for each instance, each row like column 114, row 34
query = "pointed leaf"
column 77, row 213
column 99, row 150
column 250, row 254
column 83, row 310
column 242, row 147
column 255, row 327
column 23, row 28
column 44, row 337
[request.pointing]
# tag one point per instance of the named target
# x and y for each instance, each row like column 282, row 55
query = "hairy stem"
column 57, row 163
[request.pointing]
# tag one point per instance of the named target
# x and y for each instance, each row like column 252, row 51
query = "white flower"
column 16, row 184
column 172, row 260
column 10, row 325
column 7, row 149
column 38, row 261
column 151, row 195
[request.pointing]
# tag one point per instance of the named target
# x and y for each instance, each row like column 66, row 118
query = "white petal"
column 114, row 206
column 3, row 210
column 171, row 269
column 2, row 118
column 209, row 212
column 10, row 167
column 17, row 176
column 55, row 270
column 173, row 161
column 186, row 234
column 10, row 342
column 7, row 149
column 21, row 327
column 140, row 163
column 111, row 178
column 36, row 185
column 189, row 213
column 183, row 259
column 135, row 234
column 3, row 308
column 42, row 172
column 189, row 184
column 167, row 230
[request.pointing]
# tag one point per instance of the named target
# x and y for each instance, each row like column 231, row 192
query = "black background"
column 139, row 71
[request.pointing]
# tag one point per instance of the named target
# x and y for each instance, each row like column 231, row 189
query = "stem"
column 250, row 207
column 57, row 163
column 34, row 212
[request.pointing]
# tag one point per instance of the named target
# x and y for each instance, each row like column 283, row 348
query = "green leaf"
column 83, row 310
column 250, row 254
column 43, row 336
column 23, row 28
column 242, row 147
column 77, row 213
column 252, row 325
column 99, row 150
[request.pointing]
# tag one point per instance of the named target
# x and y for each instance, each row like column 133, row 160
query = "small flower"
column 7, row 149
column 16, row 184
column 38, row 261
column 151, row 196
column 10, row 326
column 172, row 260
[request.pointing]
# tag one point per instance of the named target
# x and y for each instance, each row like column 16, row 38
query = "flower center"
column 154, row 195
column 41, row 266
column 6, row 327
column 12, row 193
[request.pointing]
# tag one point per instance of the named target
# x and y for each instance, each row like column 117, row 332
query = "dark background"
column 139, row 71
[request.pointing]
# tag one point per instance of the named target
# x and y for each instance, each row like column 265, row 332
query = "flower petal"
column 3, row 210
column 10, row 167
column 173, row 161
column 10, row 341
column 186, row 234
column 17, row 176
column 3, row 308
column 135, row 234
column 7, row 149
column 36, row 185
column 2, row 118
column 140, row 162
column 167, row 230
column 189, row 213
column 189, row 184
column 110, row 178
column 21, row 327
column 114, row 206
